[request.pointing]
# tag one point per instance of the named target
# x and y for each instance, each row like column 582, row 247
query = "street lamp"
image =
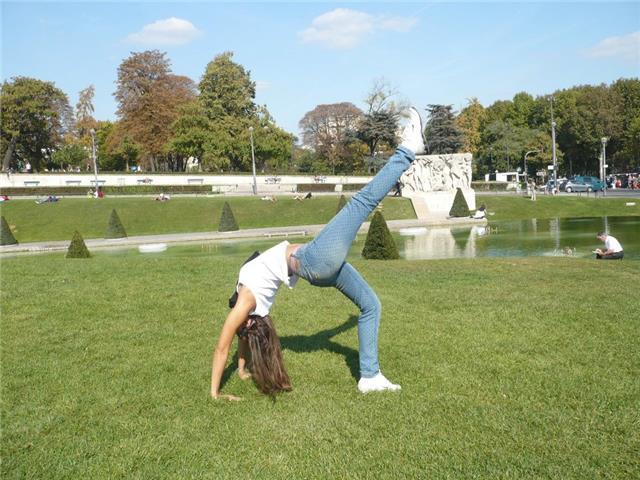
column 603, row 158
column 526, row 173
column 93, row 157
column 553, row 149
column 253, row 163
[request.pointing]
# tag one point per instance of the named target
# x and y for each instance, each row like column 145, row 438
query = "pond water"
column 562, row 237
column 574, row 237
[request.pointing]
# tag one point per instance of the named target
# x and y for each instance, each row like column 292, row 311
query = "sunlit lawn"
column 144, row 216
column 524, row 368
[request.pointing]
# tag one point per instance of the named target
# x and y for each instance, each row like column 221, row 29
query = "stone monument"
column 431, row 184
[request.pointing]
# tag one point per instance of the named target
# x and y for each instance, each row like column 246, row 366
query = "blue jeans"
column 322, row 261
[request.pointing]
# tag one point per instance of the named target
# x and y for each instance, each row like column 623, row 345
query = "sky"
column 302, row 54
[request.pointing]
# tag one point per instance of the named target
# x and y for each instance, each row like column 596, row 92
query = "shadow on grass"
column 312, row 343
column 322, row 341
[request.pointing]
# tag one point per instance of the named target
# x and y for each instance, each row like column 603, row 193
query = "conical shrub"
column 459, row 207
column 115, row 229
column 77, row 247
column 379, row 244
column 341, row 203
column 227, row 220
column 6, row 235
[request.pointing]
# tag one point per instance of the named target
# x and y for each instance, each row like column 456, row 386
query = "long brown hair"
column 268, row 369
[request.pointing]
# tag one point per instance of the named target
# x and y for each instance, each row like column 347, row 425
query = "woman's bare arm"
column 239, row 314
column 243, row 353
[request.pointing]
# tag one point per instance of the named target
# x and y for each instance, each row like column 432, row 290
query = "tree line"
column 165, row 121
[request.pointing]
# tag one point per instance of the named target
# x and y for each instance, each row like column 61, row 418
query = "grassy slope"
column 144, row 216
column 507, row 372
column 510, row 207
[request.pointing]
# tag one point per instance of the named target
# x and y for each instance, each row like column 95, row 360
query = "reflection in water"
column 441, row 243
column 554, row 237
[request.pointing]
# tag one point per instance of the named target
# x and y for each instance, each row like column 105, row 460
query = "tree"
column 469, row 121
column 627, row 95
column 329, row 130
column 380, row 122
column 70, row 154
column 379, row 244
column 35, row 115
column 441, row 133
column 149, row 98
column 226, row 89
column 84, row 111
column 116, row 149
column 215, row 127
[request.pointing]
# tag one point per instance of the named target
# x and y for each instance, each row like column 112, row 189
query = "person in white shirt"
column 322, row 262
column 613, row 249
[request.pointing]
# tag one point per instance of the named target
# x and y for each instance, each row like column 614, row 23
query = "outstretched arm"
column 243, row 353
column 246, row 304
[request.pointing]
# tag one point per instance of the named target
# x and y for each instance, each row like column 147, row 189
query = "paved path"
column 185, row 238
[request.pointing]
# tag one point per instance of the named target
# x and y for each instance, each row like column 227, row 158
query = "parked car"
column 548, row 187
column 581, row 183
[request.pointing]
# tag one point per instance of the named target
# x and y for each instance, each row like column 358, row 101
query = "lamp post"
column 526, row 172
column 553, row 149
column 253, row 163
column 93, row 157
column 603, row 158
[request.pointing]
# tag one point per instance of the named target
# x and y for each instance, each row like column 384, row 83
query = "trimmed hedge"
column 227, row 220
column 77, row 247
column 316, row 187
column 353, row 187
column 341, row 203
column 379, row 244
column 6, row 235
column 115, row 229
column 460, row 208
column 490, row 186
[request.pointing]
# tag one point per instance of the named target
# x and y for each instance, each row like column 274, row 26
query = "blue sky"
column 302, row 54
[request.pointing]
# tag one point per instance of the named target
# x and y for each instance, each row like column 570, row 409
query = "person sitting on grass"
column 322, row 263
column 613, row 249
column 480, row 213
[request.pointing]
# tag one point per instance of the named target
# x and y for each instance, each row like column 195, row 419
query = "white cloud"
column 343, row 28
column 171, row 31
column 625, row 46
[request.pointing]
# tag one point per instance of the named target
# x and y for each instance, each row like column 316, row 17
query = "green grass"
column 507, row 372
column 511, row 207
column 144, row 216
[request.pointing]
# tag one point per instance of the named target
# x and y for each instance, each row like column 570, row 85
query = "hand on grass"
column 231, row 398
column 244, row 374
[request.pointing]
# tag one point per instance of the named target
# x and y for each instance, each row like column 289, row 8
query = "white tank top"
column 263, row 276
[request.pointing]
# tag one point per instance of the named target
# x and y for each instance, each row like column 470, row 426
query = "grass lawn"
column 144, row 216
column 507, row 371
column 511, row 207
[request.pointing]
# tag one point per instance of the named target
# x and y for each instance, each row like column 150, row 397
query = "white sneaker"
column 411, row 132
column 376, row 384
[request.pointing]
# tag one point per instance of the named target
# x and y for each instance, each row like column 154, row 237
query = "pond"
column 563, row 237
column 574, row 237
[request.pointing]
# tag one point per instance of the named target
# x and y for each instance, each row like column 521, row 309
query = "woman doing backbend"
column 322, row 263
